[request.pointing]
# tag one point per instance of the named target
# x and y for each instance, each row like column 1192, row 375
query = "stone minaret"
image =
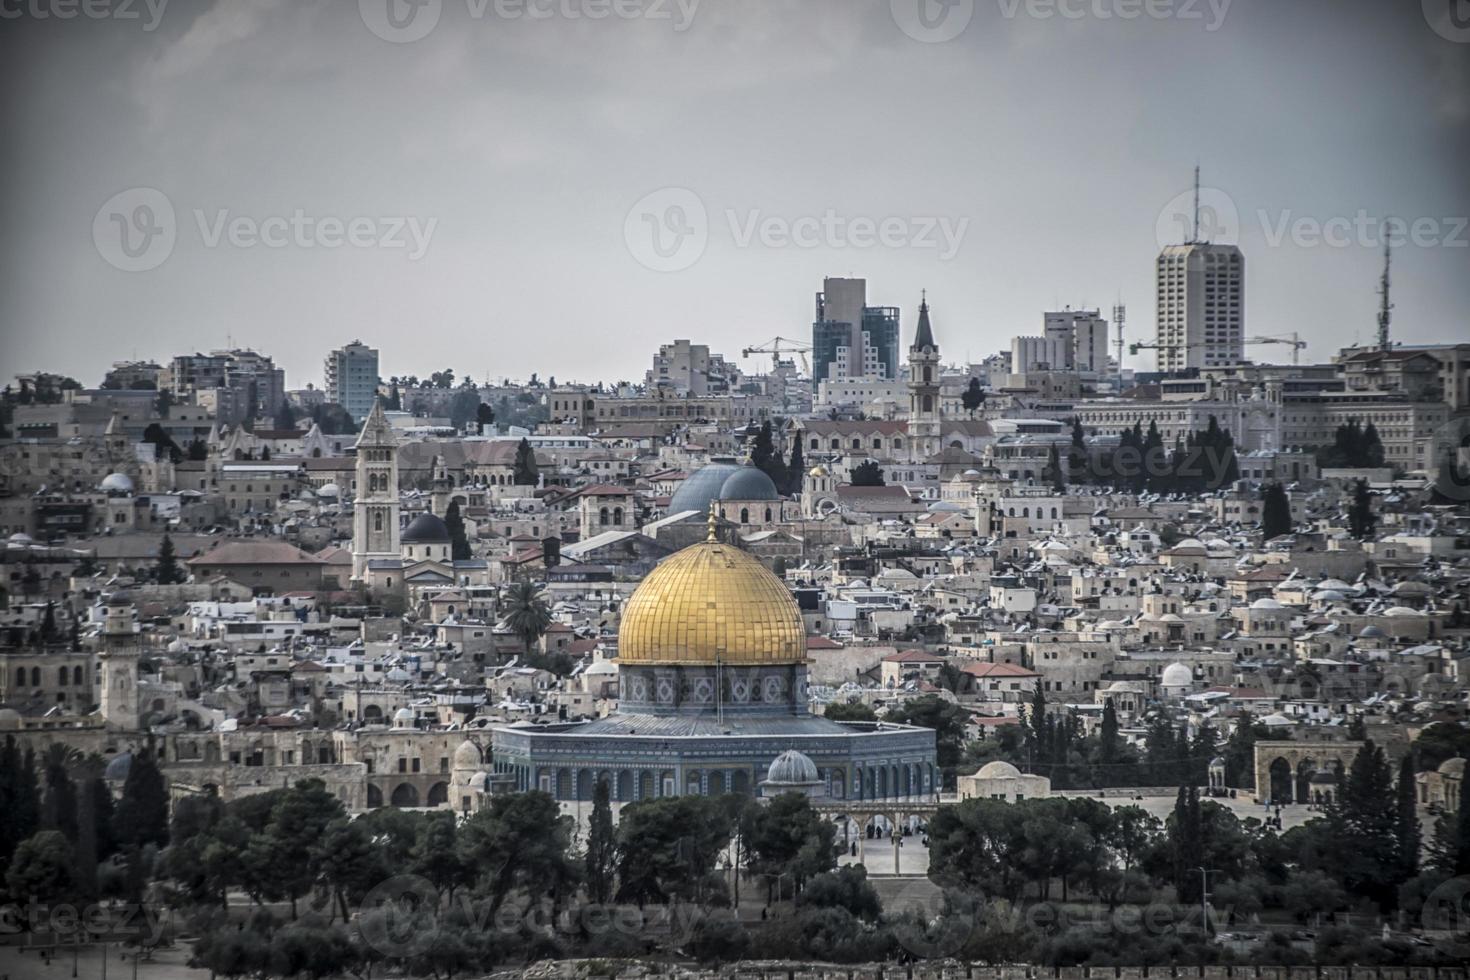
column 375, row 507
column 117, row 666
column 924, row 415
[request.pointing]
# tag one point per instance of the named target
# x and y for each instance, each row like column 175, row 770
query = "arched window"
column 1053, row 513
column 76, row 675
column 61, row 676
column 35, row 677
column 857, row 444
column 768, row 515
column 744, row 515
column 378, row 521
column 928, row 403
column 836, row 444
column 877, row 443
column 602, row 515
column 20, row 677
column 814, row 443
column 617, row 515
column 928, row 375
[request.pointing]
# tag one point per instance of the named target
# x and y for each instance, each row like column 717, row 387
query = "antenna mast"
column 1120, row 313
column 1194, row 234
column 1384, row 306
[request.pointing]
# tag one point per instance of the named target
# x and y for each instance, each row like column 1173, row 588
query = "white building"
column 352, row 378
column 1201, row 306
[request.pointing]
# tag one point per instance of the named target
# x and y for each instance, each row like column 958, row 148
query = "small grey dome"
column 792, row 767
column 425, row 529
column 118, row 767
column 748, row 483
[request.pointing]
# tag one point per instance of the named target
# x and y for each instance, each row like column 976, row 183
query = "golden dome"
column 711, row 601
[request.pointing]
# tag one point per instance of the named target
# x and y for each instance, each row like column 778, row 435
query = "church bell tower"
column 924, row 414
column 375, row 507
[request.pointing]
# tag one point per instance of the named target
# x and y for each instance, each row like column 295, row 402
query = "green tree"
column 59, row 806
column 459, row 542
column 855, row 711
column 285, row 419
column 602, row 846
column 167, row 570
column 788, row 840
column 19, row 797
column 298, row 821
column 845, row 888
column 43, row 868
column 1363, row 821
column 484, row 416
column 867, row 474
column 435, row 856
column 519, row 841
column 667, row 848
column 526, row 613
column 1053, row 473
column 1275, row 512
column 945, row 718
column 973, row 397
column 524, row 471
column 1407, row 833
column 1362, row 522
column 142, row 810
column 795, row 470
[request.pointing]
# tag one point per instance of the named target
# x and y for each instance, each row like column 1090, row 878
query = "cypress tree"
column 167, row 570
column 1407, row 831
column 1362, row 522
column 1275, row 512
column 142, row 813
column 602, row 858
column 1462, row 830
column 59, row 808
column 524, row 472
column 459, row 542
column 796, row 469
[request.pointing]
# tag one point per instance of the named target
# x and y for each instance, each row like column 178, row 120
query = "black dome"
column 425, row 529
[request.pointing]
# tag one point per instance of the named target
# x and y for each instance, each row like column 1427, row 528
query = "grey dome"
column 792, row 768
column 702, row 486
column 425, row 529
column 118, row 766
column 749, row 483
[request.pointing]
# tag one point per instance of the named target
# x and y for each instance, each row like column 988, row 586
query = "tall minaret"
column 117, row 665
column 375, row 508
column 924, row 417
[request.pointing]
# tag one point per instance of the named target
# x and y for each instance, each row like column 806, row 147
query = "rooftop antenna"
column 1194, row 234
column 1384, row 307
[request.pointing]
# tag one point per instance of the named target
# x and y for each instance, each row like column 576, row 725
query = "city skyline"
column 484, row 203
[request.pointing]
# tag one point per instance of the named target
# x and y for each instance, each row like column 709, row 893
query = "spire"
column 924, row 337
column 713, row 525
column 375, row 429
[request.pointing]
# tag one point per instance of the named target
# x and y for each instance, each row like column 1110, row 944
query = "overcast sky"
column 462, row 184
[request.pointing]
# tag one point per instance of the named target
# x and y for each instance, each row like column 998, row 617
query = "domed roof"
column 998, row 769
column 702, row 486
column 748, row 483
column 10, row 720
column 116, row 483
column 602, row 668
column 1177, row 675
column 20, row 539
column 1401, row 611
column 1265, row 602
column 791, row 767
column 1371, row 632
column 467, row 756
column 818, row 470
column 425, row 529
column 403, row 718
column 329, row 490
column 118, row 766
column 1453, row 767
column 710, row 601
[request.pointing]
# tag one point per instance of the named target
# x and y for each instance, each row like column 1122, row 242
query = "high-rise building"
column 692, row 368
column 851, row 339
column 352, row 378
column 1085, row 333
column 1201, row 306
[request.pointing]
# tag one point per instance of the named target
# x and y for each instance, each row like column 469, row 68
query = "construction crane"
column 1297, row 344
column 777, row 347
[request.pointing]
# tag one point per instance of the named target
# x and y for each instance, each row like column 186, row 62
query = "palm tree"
column 526, row 613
